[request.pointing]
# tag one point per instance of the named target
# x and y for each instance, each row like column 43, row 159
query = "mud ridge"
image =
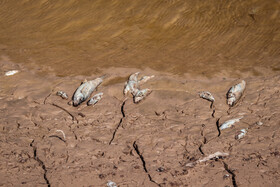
column 73, row 117
column 41, row 163
column 135, row 146
column 116, row 129
column 231, row 173
column 55, row 136
column 45, row 100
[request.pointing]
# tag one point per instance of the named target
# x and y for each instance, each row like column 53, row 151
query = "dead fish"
column 131, row 85
column 95, row 99
column 206, row 95
column 229, row 123
column 216, row 155
column 85, row 90
column 235, row 93
column 62, row 94
column 241, row 134
column 141, row 94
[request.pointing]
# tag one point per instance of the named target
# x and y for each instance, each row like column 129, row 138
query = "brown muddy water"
column 197, row 37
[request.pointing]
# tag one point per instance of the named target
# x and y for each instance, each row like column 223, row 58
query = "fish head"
column 141, row 94
column 134, row 77
column 77, row 100
column 99, row 80
column 126, row 89
column 231, row 101
column 137, row 99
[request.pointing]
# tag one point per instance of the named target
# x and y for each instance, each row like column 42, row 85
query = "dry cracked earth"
column 145, row 144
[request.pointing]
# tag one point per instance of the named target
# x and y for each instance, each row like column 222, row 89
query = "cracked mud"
column 231, row 173
column 123, row 116
column 145, row 144
column 143, row 162
column 40, row 162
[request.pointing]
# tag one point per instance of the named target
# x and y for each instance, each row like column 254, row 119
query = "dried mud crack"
column 218, row 126
column 204, row 140
column 116, row 129
column 41, row 163
column 135, row 146
column 200, row 149
column 213, row 113
column 231, row 173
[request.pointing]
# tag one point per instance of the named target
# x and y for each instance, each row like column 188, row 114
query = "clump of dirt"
column 45, row 141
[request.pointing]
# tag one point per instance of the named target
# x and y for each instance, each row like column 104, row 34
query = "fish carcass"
column 132, row 86
column 95, row 99
column 206, row 95
column 84, row 91
column 216, row 155
column 229, row 123
column 241, row 134
column 235, row 93
column 141, row 94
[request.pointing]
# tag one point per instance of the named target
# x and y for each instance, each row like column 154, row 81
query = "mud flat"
column 45, row 141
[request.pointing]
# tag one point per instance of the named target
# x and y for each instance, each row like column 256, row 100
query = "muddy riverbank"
column 145, row 144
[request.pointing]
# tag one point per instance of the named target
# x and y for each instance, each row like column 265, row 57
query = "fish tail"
column 104, row 76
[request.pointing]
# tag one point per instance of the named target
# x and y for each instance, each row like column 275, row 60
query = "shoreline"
column 145, row 144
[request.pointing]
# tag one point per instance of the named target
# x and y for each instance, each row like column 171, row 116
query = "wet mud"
column 47, row 142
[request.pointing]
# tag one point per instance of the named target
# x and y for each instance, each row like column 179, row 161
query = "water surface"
column 199, row 37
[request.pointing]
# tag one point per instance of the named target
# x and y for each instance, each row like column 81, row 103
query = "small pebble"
column 111, row 184
column 226, row 176
column 160, row 169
